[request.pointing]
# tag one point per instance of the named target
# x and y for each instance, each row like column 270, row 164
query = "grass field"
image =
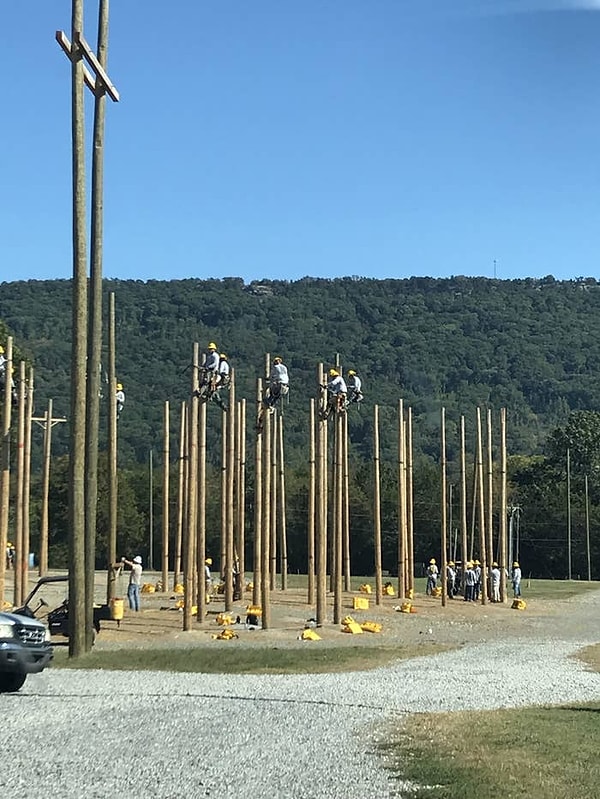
column 538, row 753
column 294, row 660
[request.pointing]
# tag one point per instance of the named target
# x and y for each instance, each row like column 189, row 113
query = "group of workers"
column 470, row 579
column 215, row 374
column 341, row 393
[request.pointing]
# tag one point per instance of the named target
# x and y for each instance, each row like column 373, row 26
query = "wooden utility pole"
column 18, row 592
column 401, row 503
column 311, row 505
column 346, row 509
column 113, row 486
column 241, row 499
column 43, row 558
column 27, row 481
column 223, row 538
column 587, row 529
column 463, row 496
column 409, row 501
column 94, row 335
column 258, row 495
column 282, row 509
column 151, row 510
column 503, row 505
column 481, row 495
column 377, row 507
column 321, row 507
column 338, row 532
column 47, row 422
column 569, row 517
column 192, row 498
column 165, row 508
column 5, row 464
column 77, row 615
column 81, row 541
column 273, row 503
column 181, row 493
column 444, row 519
column 490, row 506
column 230, row 496
column 266, row 524
column 201, row 542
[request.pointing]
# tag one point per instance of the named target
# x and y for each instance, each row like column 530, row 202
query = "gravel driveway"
column 102, row 734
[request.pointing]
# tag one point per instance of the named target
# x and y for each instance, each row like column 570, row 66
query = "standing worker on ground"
column 477, row 572
column 495, row 576
column 515, row 578
column 135, row 581
column 470, row 580
column 208, row 577
column 432, row 577
column 451, row 578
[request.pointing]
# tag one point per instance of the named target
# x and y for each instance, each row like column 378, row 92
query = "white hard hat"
column 137, row 559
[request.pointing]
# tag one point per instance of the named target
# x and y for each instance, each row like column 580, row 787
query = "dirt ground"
column 159, row 622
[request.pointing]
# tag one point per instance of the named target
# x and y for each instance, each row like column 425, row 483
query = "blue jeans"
column 517, row 589
column 133, row 595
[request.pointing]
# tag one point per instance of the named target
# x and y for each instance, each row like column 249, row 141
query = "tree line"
column 532, row 346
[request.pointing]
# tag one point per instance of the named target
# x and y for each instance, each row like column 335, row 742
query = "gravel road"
column 73, row 734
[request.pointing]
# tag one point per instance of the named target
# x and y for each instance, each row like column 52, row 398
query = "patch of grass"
column 245, row 660
column 591, row 656
column 540, row 753
column 555, row 589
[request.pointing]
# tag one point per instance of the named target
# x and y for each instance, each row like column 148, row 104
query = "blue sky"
column 278, row 139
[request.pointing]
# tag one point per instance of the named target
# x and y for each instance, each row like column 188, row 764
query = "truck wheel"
column 11, row 681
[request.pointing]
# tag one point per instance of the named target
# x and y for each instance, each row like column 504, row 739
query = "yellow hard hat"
column 478, row 563
column 208, row 561
column 351, row 372
column 432, row 560
column 222, row 355
column 212, row 346
column 516, row 563
column 450, row 563
column 9, row 545
column 119, row 386
column 1, row 350
column 333, row 372
column 494, row 563
column 277, row 359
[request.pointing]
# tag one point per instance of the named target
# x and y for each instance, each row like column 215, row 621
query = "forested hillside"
column 532, row 346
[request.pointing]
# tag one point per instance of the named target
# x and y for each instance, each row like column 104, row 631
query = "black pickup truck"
column 24, row 649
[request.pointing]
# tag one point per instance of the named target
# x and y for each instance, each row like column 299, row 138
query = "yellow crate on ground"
column 360, row 603
column 365, row 588
column 519, row 604
column 371, row 627
column 352, row 627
